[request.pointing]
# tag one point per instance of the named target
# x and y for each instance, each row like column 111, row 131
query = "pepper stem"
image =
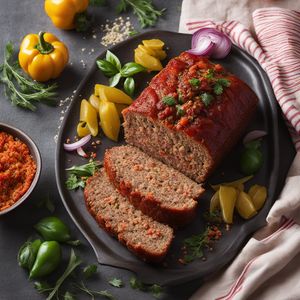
column 43, row 46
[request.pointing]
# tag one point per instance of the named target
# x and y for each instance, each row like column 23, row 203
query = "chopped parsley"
column 220, row 83
column 206, row 98
column 156, row 290
column 194, row 82
column 180, row 110
column 210, row 74
column 89, row 271
column 116, row 282
column 136, row 284
column 169, row 100
column 79, row 174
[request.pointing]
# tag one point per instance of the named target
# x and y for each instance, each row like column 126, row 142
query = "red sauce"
column 17, row 170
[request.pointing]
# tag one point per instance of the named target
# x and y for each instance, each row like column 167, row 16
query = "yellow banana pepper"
column 43, row 56
column 66, row 14
column 109, row 119
column 88, row 114
column 112, row 94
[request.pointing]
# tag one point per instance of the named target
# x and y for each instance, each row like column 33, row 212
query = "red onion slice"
column 81, row 152
column 211, row 42
column 78, row 144
column 253, row 135
column 204, row 47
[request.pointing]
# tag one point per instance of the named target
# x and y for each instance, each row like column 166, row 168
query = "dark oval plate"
column 108, row 250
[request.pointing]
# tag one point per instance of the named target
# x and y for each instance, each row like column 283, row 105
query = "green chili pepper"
column 251, row 161
column 27, row 254
column 53, row 229
column 47, row 259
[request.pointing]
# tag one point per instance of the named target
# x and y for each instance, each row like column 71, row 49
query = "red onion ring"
column 78, row 144
column 253, row 135
column 81, row 152
column 210, row 42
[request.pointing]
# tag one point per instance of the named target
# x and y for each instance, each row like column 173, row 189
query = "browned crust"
column 138, row 251
column 148, row 204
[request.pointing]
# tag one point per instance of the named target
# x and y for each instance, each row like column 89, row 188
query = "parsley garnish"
column 194, row 246
column 210, row 74
column 180, row 111
column 206, row 98
column 169, row 100
column 89, row 271
column 156, row 290
column 220, row 83
column 79, row 174
column 194, row 82
column 116, row 282
column 136, row 284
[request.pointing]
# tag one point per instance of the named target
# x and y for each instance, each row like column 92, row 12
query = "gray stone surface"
column 18, row 18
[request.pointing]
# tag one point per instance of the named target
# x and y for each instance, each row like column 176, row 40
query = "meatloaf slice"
column 191, row 114
column 157, row 190
column 144, row 236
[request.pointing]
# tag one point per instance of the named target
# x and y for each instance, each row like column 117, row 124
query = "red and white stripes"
column 277, row 49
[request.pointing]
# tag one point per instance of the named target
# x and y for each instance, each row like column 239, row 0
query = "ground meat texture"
column 145, row 237
column 17, row 170
column 190, row 116
column 157, row 190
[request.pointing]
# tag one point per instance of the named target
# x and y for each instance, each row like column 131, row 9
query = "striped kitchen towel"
column 268, row 267
column 277, row 49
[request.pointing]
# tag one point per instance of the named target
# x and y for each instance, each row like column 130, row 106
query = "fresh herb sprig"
column 145, row 11
column 82, row 287
column 112, row 68
column 195, row 244
column 155, row 289
column 79, row 174
column 21, row 90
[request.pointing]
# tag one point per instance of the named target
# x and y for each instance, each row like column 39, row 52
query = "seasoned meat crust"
column 191, row 114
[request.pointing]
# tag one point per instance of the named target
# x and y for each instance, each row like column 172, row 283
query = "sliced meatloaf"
column 157, row 190
column 191, row 114
column 145, row 237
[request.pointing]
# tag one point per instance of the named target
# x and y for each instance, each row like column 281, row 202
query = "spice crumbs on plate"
column 116, row 31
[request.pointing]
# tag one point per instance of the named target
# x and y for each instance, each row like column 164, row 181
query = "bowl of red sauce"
column 20, row 167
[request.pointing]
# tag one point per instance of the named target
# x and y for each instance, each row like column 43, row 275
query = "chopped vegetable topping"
column 180, row 110
column 169, row 100
column 206, row 98
column 194, row 82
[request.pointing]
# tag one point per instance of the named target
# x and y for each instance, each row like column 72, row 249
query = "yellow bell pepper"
column 64, row 13
column 245, row 206
column 228, row 196
column 88, row 114
column 95, row 101
column 155, row 44
column 258, row 193
column 149, row 62
column 239, row 183
column 43, row 56
column 109, row 119
column 83, row 129
column 112, row 94
column 214, row 202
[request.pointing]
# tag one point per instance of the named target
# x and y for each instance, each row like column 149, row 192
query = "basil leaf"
column 113, row 59
column 107, row 68
column 129, row 86
column 113, row 81
column 131, row 68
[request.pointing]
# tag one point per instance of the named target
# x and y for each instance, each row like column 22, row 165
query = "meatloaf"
column 191, row 114
column 157, row 190
column 148, row 239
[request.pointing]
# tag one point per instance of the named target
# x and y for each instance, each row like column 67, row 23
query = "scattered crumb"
column 116, row 31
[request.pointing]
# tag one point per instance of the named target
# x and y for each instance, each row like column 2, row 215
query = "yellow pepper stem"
column 43, row 46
